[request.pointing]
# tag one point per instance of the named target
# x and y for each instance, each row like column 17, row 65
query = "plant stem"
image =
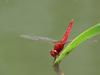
column 57, row 69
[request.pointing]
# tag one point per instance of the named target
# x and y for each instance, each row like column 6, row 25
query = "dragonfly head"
column 53, row 53
column 57, row 49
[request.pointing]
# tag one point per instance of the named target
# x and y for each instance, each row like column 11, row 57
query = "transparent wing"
column 38, row 38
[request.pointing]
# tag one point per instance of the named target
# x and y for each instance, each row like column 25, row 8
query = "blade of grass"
column 90, row 32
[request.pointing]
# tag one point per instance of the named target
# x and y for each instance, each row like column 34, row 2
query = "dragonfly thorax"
column 58, row 46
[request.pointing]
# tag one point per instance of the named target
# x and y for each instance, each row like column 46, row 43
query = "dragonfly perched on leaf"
column 58, row 45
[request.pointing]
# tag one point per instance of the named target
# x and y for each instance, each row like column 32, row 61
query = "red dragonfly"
column 58, row 45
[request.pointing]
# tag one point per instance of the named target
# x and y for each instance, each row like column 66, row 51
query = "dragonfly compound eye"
column 53, row 53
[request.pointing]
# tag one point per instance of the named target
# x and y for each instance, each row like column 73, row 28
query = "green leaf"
column 89, row 33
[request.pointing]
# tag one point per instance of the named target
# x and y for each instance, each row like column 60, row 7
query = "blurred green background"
column 20, row 56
